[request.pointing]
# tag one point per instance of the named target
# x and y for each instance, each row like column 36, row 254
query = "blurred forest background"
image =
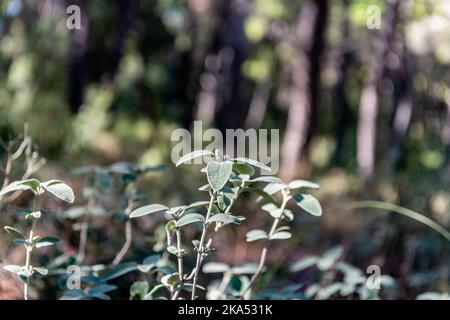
column 364, row 112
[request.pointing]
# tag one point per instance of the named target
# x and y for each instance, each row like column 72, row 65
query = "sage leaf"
column 14, row 232
column 192, row 155
column 304, row 263
column 252, row 162
column 281, row 235
column 30, row 184
column 149, row 209
column 190, row 218
column 224, row 218
column 309, row 204
column 215, row 267
column 47, row 241
column 298, row 184
column 60, row 190
column 256, row 234
column 218, row 173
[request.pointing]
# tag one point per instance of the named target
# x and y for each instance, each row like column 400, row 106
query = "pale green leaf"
column 273, row 188
column 190, row 218
column 14, row 232
column 60, row 190
column 298, row 184
column 256, row 234
column 218, row 173
column 309, row 204
column 281, row 235
column 30, row 184
column 215, row 267
column 149, row 209
column 304, row 263
column 224, row 218
column 252, row 162
column 243, row 168
column 41, row 271
column 192, row 155
column 47, row 241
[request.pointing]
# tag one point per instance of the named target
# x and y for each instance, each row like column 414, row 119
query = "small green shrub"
column 59, row 190
column 227, row 179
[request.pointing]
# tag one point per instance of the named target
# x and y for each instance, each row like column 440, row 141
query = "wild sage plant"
column 58, row 189
column 100, row 180
column 337, row 277
column 227, row 179
column 16, row 150
column 280, row 213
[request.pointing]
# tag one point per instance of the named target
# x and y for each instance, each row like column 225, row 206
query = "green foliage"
column 57, row 189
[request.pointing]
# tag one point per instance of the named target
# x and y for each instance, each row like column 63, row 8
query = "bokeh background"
column 364, row 112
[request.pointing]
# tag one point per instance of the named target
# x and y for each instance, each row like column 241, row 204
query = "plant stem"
column 179, row 256
column 126, row 246
column 224, row 284
column 180, row 266
column 128, row 235
column 227, row 210
column 200, row 247
column 84, row 231
column 262, row 259
column 27, row 261
column 233, row 199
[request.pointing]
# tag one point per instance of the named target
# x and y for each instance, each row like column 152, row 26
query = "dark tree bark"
column 341, row 105
column 305, row 83
column 125, row 10
column 77, row 66
column 232, row 43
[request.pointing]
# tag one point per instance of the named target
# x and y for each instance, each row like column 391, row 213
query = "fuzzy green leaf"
column 192, row 155
column 243, row 168
column 60, row 190
column 47, row 241
column 151, row 208
column 298, row 184
column 273, row 188
column 281, row 235
column 224, row 218
column 304, row 263
column 252, row 162
column 218, row 173
column 14, row 232
column 215, row 267
column 256, row 234
column 30, row 184
column 20, row 242
column 190, row 218
column 41, row 271
column 309, row 204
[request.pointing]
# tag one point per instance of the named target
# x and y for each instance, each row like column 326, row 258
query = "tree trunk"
column 233, row 43
column 403, row 101
column 305, row 83
column 368, row 109
column 78, row 49
column 341, row 106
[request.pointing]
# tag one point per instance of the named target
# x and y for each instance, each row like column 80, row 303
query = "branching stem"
column 29, row 248
column 262, row 259
column 201, row 247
